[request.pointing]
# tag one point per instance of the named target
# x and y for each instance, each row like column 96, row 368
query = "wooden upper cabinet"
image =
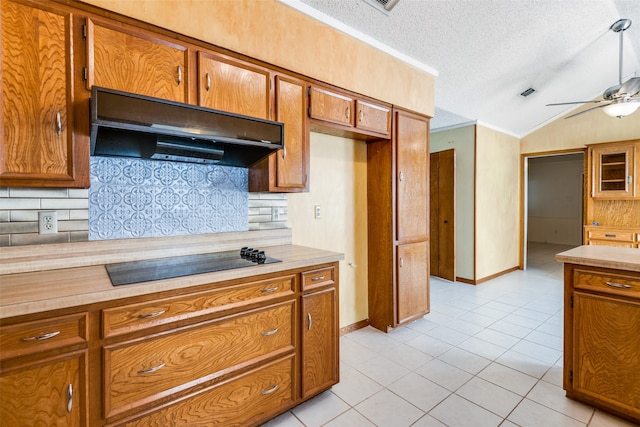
column 232, row 85
column 133, row 61
column 614, row 171
column 331, row 106
column 373, row 117
column 287, row 170
column 37, row 141
column 412, row 169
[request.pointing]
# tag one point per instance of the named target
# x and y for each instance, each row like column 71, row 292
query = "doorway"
column 442, row 212
column 553, row 204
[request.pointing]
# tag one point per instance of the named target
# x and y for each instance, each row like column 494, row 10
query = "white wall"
column 463, row 140
column 497, row 202
column 555, row 199
column 338, row 184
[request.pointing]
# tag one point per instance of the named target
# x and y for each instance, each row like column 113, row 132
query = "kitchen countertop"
column 40, row 278
column 602, row 256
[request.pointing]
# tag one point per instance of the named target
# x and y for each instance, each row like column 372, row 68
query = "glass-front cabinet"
column 614, row 171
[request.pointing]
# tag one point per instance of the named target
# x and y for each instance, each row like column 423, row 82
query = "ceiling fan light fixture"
column 621, row 109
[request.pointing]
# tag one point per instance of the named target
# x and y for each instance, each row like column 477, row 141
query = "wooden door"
column 413, row 281
column 235, row 86
column 319, row 341
column 36, row 135
column 442, row 184
column 47, row 394
column 136, row 62
column 412, row 161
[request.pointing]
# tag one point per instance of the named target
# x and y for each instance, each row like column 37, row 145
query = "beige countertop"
column 602, row 256
column 49, row 277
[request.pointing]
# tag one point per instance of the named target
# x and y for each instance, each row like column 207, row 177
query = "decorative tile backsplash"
column 132, row 198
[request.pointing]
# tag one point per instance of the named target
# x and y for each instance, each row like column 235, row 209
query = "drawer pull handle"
column 58, row 123
column 361, row 116
column 70, row 398
column 609, row 235
column 179, row 75
column 310, row 321
column 271, row 332
column 618, row 285
column 315, row 279
column 41, row 337
column 151, row 370
column 347, row 113
column 151, row 315
column 208, row 82
column 271, row 390
column 269, row 290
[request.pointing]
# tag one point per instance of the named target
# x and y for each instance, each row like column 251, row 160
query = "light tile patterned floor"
column 487, row 355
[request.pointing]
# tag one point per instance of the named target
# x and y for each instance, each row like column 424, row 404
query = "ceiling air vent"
column 528, row 92
column 383, row 5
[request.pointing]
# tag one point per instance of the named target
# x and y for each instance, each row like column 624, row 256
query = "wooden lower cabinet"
column 602, row 339
column 48, row 392
column 233, row 353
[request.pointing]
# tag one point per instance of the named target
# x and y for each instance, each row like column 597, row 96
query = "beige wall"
column 339, row 186
column 277, row 34
column 463, row 140
column 589, row 128
column 497, row 202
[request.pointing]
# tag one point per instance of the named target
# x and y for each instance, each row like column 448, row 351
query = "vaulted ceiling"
column 486, row 52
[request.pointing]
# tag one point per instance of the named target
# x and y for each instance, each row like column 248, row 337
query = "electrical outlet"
column 316, row 211
column 48, row 222
column 278, row 213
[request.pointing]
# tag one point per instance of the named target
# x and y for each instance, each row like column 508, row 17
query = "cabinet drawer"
column 617, row 284
column 40, row 335
column 133, row 317
column 317, row 278
column 373, row 117
column 331, row 107
column 248, row 400
column 618, row 236
column 140, row 371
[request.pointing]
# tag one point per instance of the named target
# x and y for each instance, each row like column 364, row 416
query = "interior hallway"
column 487, row 355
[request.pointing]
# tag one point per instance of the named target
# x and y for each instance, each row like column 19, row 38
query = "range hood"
column 128, row 125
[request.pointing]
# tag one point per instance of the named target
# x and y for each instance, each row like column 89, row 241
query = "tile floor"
column 487, row 355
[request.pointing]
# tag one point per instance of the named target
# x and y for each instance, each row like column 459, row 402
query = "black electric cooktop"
column 126, row 273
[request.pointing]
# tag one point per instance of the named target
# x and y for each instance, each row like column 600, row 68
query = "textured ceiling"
column 486, row 52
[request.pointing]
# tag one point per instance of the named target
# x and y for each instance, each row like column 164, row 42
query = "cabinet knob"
column 347, row 113
column 151, row 370
column 361, row 116
column 401, row 262
column 208, row 86
column 179, row 75
column 271, row 390
column 41, row 337
column 401, row 176
column 58, row 123
column 70, row 398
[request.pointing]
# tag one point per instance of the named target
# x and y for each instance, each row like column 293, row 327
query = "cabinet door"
column 614, row 174
column 36, row 107
column 413, row 281
column 412, row 151
column 606, row 351
column 373, row 117
column 331, row 107
column 47, row 394
column 230, row 85
column 319, row 342
column 135, row 62
column 286, row 170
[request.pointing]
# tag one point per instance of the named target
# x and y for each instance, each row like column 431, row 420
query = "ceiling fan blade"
column 630, row 87
column 586, row 111
column 577, row 102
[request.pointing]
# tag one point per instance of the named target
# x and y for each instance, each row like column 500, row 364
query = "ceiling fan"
column 619, row 100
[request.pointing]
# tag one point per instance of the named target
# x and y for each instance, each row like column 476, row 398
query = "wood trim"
column 475, row 201
column 486, row 279
column 354, row 327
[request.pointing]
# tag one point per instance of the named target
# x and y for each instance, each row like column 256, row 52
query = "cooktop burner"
column 125, row 273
